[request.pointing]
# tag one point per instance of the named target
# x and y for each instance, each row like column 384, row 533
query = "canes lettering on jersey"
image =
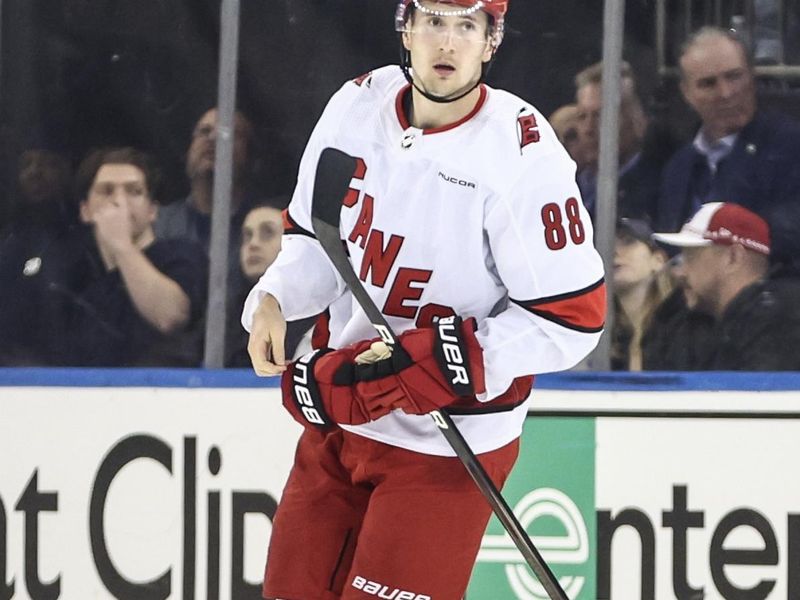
column 381, row 254
column 356, row 184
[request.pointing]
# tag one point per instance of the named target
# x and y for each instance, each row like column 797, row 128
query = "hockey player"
column 465, row 225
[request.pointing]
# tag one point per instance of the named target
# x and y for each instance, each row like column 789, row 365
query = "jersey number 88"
column 555, row 234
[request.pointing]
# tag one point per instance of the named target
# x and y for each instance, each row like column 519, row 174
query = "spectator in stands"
column 261, row 241
column 129, row 297
column 564, row 121
column 190, row 218
column 726, row 251
column 739, row 154
column 639, row 167
column 43, row 196
column 677, row 338
column 42, row 216
column 640, row 285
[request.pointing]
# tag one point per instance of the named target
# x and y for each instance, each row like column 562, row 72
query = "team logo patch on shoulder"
column 364, row 80
column 527, row 129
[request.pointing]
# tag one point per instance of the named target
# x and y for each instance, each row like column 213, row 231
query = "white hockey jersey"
column 481, row 218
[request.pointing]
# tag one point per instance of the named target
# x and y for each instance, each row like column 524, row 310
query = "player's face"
column 635, row 262
column 718, row 84
column 261, row 241
column 121, row 185
column 447, row 52
column 701, row 277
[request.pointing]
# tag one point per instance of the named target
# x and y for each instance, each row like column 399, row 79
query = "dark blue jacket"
column 761, row 172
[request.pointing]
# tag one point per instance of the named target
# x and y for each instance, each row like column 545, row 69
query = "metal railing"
column 744, row 18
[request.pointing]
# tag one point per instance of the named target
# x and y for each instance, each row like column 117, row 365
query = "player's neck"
column 426, row 114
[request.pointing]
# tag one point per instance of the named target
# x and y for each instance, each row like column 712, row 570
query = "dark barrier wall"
column 81, row 73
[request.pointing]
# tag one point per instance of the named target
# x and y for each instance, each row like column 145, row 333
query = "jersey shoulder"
column 360, row 100
column 512, row 141
column 519, row 125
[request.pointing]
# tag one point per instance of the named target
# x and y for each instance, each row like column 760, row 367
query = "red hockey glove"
column 318, row 390
column 447, row 364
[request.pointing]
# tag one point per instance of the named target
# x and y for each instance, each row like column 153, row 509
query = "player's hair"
column 126, row 155
column 712, row 31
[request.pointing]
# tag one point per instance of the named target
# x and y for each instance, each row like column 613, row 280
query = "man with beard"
column 727, row 275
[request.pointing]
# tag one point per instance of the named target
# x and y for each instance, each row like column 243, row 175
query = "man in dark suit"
column 740, row 154
column 640, row 156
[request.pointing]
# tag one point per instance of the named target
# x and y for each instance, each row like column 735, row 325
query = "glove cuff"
column 457, row 352
column 301, row 393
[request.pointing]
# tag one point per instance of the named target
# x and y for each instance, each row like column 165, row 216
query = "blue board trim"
column 245, row 378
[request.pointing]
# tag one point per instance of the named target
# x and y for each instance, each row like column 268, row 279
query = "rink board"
column 161, row 484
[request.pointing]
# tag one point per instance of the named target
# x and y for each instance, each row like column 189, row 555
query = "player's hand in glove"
column 319, row 389
column 446, row 364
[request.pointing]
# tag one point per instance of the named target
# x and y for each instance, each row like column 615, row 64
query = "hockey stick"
column 334, row 173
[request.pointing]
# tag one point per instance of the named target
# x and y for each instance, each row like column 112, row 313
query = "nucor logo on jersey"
column 384, row 591
column 452, row 351
column 301, row 392
column 457, row 181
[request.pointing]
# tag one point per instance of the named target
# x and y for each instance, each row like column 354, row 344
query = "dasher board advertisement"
column 163, row 485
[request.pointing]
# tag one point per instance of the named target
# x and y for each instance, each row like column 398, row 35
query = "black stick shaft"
column 334, row 171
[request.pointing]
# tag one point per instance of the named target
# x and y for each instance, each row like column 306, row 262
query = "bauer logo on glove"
column 306, row 390
column 451, row 357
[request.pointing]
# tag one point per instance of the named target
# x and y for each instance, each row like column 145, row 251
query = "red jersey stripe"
column 291, row 226
column 582, row 310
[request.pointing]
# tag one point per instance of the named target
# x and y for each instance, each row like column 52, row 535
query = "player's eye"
column 435, row 22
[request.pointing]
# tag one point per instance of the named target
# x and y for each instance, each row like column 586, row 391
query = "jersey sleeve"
column 541, row 241
column 302, row 278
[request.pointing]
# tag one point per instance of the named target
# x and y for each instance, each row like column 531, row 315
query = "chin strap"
column 405, row 65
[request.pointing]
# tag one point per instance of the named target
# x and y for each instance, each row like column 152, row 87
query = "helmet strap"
column 405, row 65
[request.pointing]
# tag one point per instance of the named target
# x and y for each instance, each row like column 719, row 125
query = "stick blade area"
column 335, row 170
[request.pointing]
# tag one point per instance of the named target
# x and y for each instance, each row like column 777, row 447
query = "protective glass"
column 464, row 30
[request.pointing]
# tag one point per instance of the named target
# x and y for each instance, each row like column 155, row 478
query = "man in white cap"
column 725, row 249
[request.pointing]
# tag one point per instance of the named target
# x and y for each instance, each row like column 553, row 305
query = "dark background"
column 82, row 73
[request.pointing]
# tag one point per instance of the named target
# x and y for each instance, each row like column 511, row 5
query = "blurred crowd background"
column 89, row 85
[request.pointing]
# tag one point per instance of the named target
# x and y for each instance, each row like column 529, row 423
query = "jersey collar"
column 401, row 113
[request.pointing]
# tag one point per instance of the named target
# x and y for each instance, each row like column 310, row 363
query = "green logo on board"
column 551, row 491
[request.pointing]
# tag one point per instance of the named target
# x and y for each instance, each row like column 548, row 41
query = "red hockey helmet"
column 494, row 8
